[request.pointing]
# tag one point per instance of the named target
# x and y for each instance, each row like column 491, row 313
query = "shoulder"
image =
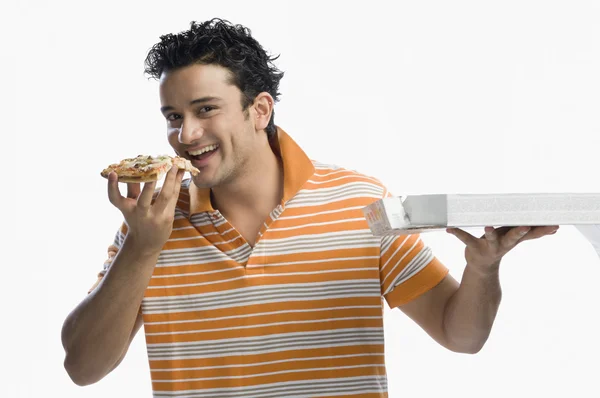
column 334, row 186
column 332, row 175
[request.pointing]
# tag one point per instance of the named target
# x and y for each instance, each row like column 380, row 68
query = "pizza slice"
column 147, row 168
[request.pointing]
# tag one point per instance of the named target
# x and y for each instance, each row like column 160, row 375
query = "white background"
column 428, row 96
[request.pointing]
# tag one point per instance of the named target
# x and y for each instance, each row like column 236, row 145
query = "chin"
column 202, row 182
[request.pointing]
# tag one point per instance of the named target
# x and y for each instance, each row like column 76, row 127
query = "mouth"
column 200, row 157
column 203, row 152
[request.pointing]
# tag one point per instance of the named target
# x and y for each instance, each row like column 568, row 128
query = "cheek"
column 173, row 139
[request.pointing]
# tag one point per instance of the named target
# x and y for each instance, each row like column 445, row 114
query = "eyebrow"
column 193, row 102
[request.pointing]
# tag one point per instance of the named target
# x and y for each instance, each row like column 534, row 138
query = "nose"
column 190, row 131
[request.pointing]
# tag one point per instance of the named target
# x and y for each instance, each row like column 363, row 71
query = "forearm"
column 471, row 311
column 98, row 331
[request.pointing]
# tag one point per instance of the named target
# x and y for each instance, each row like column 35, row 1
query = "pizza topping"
column 148, row 167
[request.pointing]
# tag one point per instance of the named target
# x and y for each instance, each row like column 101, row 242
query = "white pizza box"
column 422, row 213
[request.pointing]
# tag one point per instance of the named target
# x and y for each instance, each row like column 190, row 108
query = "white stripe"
column 261, row 276
column 274, row 337
column 182, row 228
column 320, row 236
column 178, row 308
column 392, row 256
column 399, row 262
column 327, row 260
column 420, row 261
column 262, row 314
column 245, row 365
column 321, row 213
column 235, row 268
column 196, row 284
column 173, row 333
column 228, row 241
column 186, row 238
column 331, row 173
column 337, row 179
column 313, row 247
column 329, row 271
column 324, row 385
column 259, row 290
column 349, row 187
column 307, row 201
column 317, row 224
column 343, row 342
column 268, row 373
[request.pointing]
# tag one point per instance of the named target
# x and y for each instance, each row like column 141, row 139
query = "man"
column 259, row 277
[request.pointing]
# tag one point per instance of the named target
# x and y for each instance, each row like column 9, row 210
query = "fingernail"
column 524, row 231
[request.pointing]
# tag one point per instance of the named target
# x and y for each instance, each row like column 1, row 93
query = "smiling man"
column 259, row 277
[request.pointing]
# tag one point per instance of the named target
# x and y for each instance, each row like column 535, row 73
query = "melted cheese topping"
column 146, row 163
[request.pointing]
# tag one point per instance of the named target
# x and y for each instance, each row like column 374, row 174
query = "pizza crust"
column 148, row 178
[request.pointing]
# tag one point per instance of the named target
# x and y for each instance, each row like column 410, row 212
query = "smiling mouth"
column 203, row 152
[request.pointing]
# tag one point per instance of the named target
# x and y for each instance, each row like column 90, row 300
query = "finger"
column 145, row 199
column 176, row 189
column 463, row 236
column 169, row 194
column 491, row 234
column 170, row 180
column 133, row 190
column 501, row 231
column 114, row 195
column 514, row 236
column 538, row 232
column 178, row 180
column 166, row 190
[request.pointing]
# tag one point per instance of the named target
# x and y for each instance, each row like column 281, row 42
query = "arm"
column 97, row 333
column 460, row 317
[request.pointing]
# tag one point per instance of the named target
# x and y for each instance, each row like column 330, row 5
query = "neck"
column 256, row 192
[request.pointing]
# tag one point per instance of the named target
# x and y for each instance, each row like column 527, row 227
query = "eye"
column 173, row 116
column 206, row 109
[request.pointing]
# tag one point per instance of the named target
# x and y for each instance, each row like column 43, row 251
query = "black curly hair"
column 220, row 42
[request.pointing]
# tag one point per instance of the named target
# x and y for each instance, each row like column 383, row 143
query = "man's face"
column 206, row 123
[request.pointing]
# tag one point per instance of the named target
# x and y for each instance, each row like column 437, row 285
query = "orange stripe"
column 259, row 308
column 255, row 331
column 267, row 357
column 335, row 205
column 278, row 378
column 239, row 281
column 424, row 280
column 263, row 319
column 202, row 274
column 317, row 229
column 296, row 364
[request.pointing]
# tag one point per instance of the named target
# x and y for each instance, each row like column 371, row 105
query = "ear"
column 263, row 109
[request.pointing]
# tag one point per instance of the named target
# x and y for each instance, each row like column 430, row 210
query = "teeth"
column 203, row 150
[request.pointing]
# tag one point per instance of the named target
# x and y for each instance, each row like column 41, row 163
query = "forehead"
column 195, row 81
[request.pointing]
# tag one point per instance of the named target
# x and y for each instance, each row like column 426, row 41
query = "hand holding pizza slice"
column 147, row 168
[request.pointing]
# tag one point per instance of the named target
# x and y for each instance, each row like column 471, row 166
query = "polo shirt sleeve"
column 407, row 268
column 113, row 249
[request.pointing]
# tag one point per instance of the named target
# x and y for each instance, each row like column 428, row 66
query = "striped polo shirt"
column 299, row 314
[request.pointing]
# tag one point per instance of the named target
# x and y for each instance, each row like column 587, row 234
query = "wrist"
column 485, row 270
column 140, row 249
